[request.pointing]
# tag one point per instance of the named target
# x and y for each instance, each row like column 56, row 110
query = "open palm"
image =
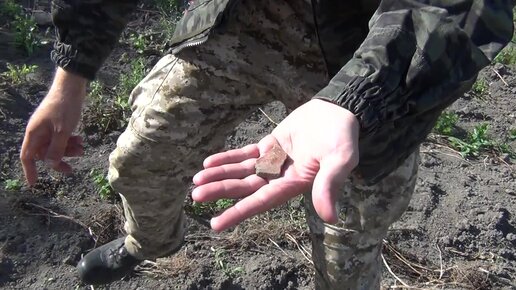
column 321, row 140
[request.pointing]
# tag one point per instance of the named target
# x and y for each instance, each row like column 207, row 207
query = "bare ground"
column 458, row 233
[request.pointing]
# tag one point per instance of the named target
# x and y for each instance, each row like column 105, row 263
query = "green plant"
column 211, row 208
column 139, row 42
column 220, row 262
column 126, row 85
column 168, row 7
column 480, row 88
column 109, row 110
column 128, row 81
column 17, row 74
column 507, row 56
column 512, row 134
column 99, row 116
column 11, row 9
column 104, row 190
column 446, row 123
column 13, row 184
column 25, row 33
column 476, row 141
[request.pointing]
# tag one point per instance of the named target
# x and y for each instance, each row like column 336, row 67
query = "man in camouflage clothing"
column 365, row 80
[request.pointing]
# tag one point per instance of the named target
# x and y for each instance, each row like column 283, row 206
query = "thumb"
column 56, row 149
column 333, row 173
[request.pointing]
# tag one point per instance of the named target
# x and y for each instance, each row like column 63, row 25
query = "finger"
column 74, row 151
column 267, row 143
column 56, row 150
column 231, row 188
column 74, row 148
column 266, row 198
column 228, row 171
column 63, row 167
column 27, row 157
column 333, row 173
column 76, row 140
column 232, row 156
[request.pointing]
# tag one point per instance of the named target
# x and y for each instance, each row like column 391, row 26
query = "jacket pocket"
column 198, row 21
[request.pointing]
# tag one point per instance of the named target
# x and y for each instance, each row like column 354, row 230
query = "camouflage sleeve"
column 87, row 31
column 417, row 55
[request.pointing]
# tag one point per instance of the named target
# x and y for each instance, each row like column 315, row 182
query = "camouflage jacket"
column 396, row 64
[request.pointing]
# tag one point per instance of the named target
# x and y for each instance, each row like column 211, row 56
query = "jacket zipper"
column 180, row 47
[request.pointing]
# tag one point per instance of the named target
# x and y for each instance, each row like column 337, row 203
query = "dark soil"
column 458, row 233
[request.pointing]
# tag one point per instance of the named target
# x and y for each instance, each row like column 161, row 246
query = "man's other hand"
column 321, row 140
column 48, row 136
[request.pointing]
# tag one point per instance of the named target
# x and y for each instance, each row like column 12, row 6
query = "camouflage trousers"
column 184, row 109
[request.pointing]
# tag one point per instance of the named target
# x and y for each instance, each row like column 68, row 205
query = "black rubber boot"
column 107, row 263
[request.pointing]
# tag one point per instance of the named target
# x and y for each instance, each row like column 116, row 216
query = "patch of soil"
column 458, row 233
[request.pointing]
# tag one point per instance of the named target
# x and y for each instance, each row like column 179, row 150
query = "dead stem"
column 267, row 116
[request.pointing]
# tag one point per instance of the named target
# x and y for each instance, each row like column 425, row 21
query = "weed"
column 106, row 113
column 13, row 184
column 170, row 14
column 507, row 149
column 25, row 33
column 512, row 134
column 220, row 262
column 104, row 190
column 168, row 7
column 128, row 81
column 480, row 88
column 99, row 115
column 211, row 208
column 11, row 9
column 507, row 56
column 446, row 123
column 139, row 42
column 18, row 74
column 476, row 142
column 167, row 26
column 126, row 85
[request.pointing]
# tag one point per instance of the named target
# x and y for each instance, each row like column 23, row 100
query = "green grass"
column 168, row 7
column 109, row 110
column 25, row 30
column 221, row 264
column 11, row 9
column 104, row 190
column 507, row 56
column 127, row 83
column 478, row 141
column 446, row 123
column 210, row 208
column 12, row 184
column 17, row 74
column 512, row 134
column 480, row 88
column 138, row 42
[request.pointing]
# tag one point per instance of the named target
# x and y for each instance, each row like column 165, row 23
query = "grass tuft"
column 101, row 182
column 17, row 74
column 25, row 33
column 13, row 184
column 11, row 9
column 446, row 123
column 480, row 88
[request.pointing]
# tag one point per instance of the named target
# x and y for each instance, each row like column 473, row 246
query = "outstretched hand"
column 48, row 136
column 321, row 140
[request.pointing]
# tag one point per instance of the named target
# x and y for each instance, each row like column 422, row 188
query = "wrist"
column 68, row 85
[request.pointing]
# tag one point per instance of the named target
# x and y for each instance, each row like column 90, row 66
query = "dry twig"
column 267, row 116
column 306, row 254
column 500, row 76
